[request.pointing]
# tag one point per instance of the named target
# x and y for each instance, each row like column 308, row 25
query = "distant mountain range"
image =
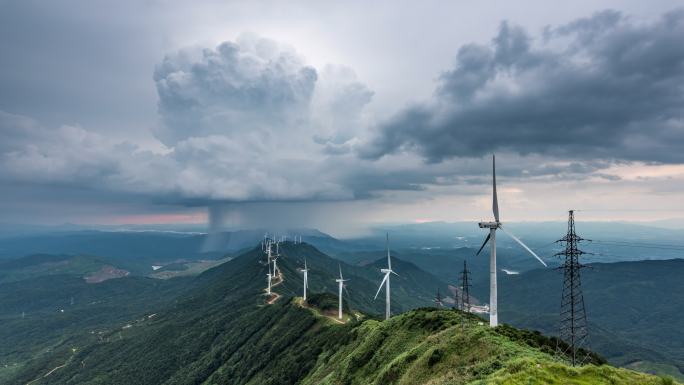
column 613, row 241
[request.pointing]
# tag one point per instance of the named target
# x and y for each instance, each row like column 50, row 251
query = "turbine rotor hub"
column 489, row 225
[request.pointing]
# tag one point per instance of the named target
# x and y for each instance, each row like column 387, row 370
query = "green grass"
column 656, row 368
column 440, row 347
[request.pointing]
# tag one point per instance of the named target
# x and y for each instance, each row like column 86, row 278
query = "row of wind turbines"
column 492, row 226
column 272, row 258
column 385, row 281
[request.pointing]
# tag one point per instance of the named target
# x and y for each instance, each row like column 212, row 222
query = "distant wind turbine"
column 305, row 271
column 276, row 271
column 269, row 277
column 386, row 281
column 340, row 281
column 491, row 237
column 268, row 264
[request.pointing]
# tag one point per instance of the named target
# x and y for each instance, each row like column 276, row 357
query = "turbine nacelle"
column 489, row 225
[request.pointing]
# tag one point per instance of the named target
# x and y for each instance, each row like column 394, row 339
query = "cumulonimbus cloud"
column 238, row 124
column 604, row 87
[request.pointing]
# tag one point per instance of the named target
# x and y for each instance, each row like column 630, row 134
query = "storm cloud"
column 188, row 118
column 236, row 124
column 603, row 87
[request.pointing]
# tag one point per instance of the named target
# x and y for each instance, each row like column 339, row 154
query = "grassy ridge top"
column 440, row 347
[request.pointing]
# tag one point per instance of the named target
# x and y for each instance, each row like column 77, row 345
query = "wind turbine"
column 305, row 270
column 268, row 263
column 268, row 254
column 386, row 281
column 269, row 275
column 276, row 271
column 491, row 238
column 340, row 281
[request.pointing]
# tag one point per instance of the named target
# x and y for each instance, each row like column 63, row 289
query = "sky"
column 338, row 115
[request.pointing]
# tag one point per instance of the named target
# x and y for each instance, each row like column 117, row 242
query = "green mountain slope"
column 633, row 308
column 221, row 331
column 43, row 318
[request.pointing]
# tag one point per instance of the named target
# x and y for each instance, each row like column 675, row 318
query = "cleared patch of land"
column 190, row 268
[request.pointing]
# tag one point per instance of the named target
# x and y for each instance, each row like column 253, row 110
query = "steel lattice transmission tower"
column 438, row 299
column 573, row 317
column 465, row 288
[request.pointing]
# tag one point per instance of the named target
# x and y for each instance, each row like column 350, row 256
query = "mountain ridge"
column 221, row 331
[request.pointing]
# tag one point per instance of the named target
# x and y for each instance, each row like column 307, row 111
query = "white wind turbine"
column 305, row 271
column 340, row 281
column 276, row 271
column 491, row 237
column 386, row 281
column 269, row 276
column 268, row 264
column 268, row 254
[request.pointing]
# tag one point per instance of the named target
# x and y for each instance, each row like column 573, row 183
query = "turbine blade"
column 483, row 244
column 389, row 261
column 495, row 201
column 523, row 245
column 392, row 271
column 381, row 285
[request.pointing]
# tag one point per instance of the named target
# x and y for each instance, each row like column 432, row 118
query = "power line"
column 631, row 210
column 641, row 245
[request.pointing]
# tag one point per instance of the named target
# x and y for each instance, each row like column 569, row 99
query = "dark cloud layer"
column 603, row 87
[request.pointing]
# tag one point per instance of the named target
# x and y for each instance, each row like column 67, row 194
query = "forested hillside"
column 221, row 331
column 633, row 309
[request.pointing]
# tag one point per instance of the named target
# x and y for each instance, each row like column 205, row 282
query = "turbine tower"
column 269, row 276
column 268, row 264
column 305, row 270
column 276, row 271
column 340, row 281
column 268, row 254
column 491, row 238
column 386, row 281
